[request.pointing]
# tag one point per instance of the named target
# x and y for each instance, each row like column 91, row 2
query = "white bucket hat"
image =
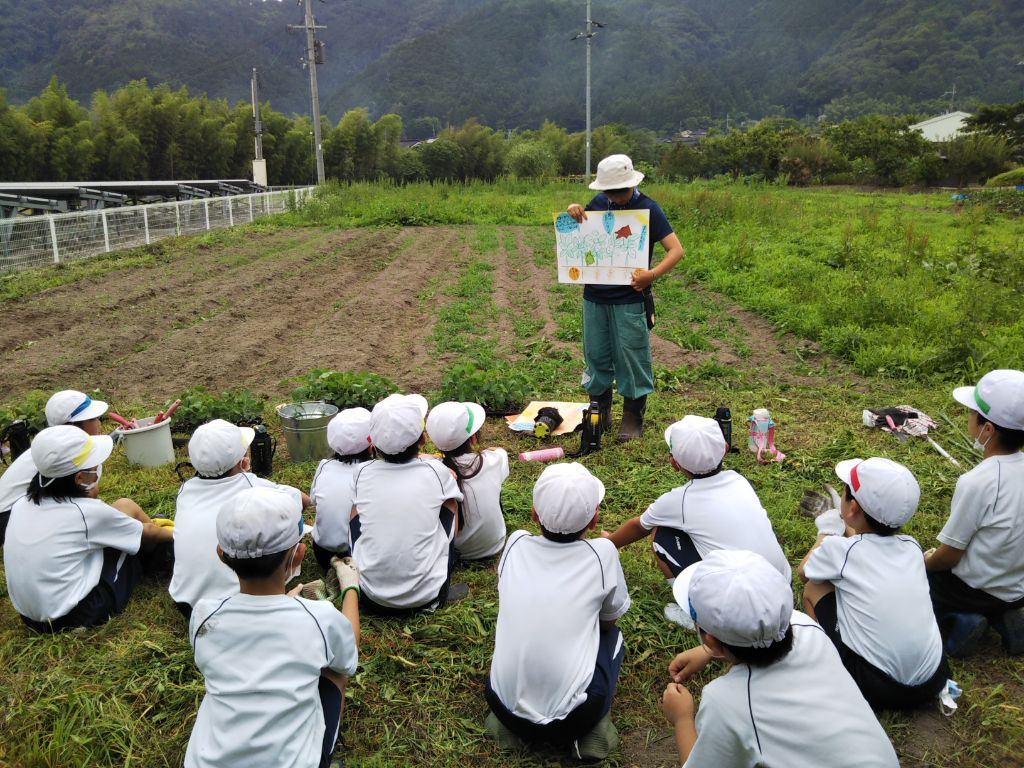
column 451, row 424
column 396, row 422
column 697, row 443
column 566, row 497
column 70, row 406
column 65, row 450
column 885, row 490
column 616, row 172
column 217, row 446
column 737, row 596
column 348, row 433
column 999, row 397
column 259, row 521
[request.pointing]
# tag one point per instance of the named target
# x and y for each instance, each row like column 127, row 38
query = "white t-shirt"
column 331, row 493
column 987, row 521
column 261, row 656
column 483, row 523
column 551, row 598
column 15, row 480
column 402, row 549
column 719, row 512
column 803, row 711
column 198, row 572
column 54, row 552
column 882, row 602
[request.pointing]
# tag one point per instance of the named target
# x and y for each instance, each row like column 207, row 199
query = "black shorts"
column 880, row 690
column 675, row 548
column 323, row 556
column 950, row 594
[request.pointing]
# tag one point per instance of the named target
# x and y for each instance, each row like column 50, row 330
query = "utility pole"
column 313, row 57
column 259, row 165
column 588, row 34
column 952, row 97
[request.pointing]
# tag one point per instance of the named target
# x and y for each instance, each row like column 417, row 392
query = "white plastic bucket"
column 149, row 444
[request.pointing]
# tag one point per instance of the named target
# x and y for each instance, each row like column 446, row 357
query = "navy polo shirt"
column 660, row 229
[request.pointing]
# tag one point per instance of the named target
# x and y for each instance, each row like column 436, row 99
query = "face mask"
column 980, row 446
column 294, row 568
column 99, row 473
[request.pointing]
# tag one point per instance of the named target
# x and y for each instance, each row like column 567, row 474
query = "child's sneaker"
column 504, row 737
column 599, row 743
column 1010, row 626
column 675, row 614
column 965, row 631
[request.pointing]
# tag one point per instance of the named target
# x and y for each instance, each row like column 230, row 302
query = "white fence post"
column 177, row 217
column 231, row 213
column 252, row 216
column 206, row 209
column 53, row 240
column 106, row 231
column 145, row 222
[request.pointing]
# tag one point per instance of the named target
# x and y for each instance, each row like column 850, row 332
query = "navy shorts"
column 579, row 722
column 365, row 603
column 880, row 690
column 323, row 556
column 675, row 548
column 330, row 702
column 950, row 594
column 109, row 597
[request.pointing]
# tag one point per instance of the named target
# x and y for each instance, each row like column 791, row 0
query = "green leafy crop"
column 198, row 406
column 344, row 389
column 496, row 387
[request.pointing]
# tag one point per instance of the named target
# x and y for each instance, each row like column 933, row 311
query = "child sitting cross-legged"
column 977, row 571
column 716, row 509
column 786, row 700
column 455, row 430
column 218, row 450
column 404, row 519
column 348, row 434
column 71, row 558
column 275, row 664
column 557, row 651
column 866, row 585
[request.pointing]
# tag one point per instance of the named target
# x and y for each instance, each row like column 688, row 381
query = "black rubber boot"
column 605, row 401
column 632, row 425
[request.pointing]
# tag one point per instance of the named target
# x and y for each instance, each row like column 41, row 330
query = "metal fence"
column 36, row 241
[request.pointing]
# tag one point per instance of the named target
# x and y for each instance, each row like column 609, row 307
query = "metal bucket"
column 305, row 429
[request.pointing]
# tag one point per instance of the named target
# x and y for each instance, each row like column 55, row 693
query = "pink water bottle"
column 544, row 454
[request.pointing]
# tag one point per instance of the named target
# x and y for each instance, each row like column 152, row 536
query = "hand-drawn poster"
column 606, row 248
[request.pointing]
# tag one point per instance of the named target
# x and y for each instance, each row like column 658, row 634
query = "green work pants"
column 617, row 347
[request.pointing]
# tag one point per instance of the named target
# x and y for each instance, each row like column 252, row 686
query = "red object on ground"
column 121, row 420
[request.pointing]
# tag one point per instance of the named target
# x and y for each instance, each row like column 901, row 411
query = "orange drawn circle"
column 637, row 272
column 574, row 273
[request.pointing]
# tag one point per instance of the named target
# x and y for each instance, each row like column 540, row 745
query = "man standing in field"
column 617, row 318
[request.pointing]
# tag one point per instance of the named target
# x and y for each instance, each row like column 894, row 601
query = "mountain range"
column 658, row 64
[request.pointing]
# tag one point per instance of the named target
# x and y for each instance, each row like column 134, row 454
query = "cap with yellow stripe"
column 65, row 450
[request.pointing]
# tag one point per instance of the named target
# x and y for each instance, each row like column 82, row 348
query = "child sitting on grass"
column 70, row 557
column 218, row 451
column 786, row 700
column 348, row 434
column 557, row 650
column 866, row 586
column 977, row 571
column 716, row 509
column 454, row 428
column 66, row 407
column 404, row 522
column 275, row 664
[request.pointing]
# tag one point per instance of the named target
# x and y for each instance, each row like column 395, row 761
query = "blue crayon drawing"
column 643, row 238
column 566, row 223
column 609, row 222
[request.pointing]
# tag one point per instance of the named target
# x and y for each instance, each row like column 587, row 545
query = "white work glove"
column 834, row 495
column 830, row 523
column 348, row 574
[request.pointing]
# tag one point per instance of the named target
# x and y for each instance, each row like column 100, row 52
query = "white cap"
column 70, row 406
column 217, row 446
column 616, row 172
column 397, row 422
column 451, row 424
column 259, row 521
column 999, row 397
column 566, row 497
column 348, row 433
column 737, row 596
column 64, row 450
column 697, row 443
column 885, row 490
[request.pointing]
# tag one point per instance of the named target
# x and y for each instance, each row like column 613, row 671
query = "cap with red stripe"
column 885, row 489
column 999, row 397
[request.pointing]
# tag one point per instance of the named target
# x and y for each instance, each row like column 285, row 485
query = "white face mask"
column 980, row 446
column 98, row 469
column 294, row 568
